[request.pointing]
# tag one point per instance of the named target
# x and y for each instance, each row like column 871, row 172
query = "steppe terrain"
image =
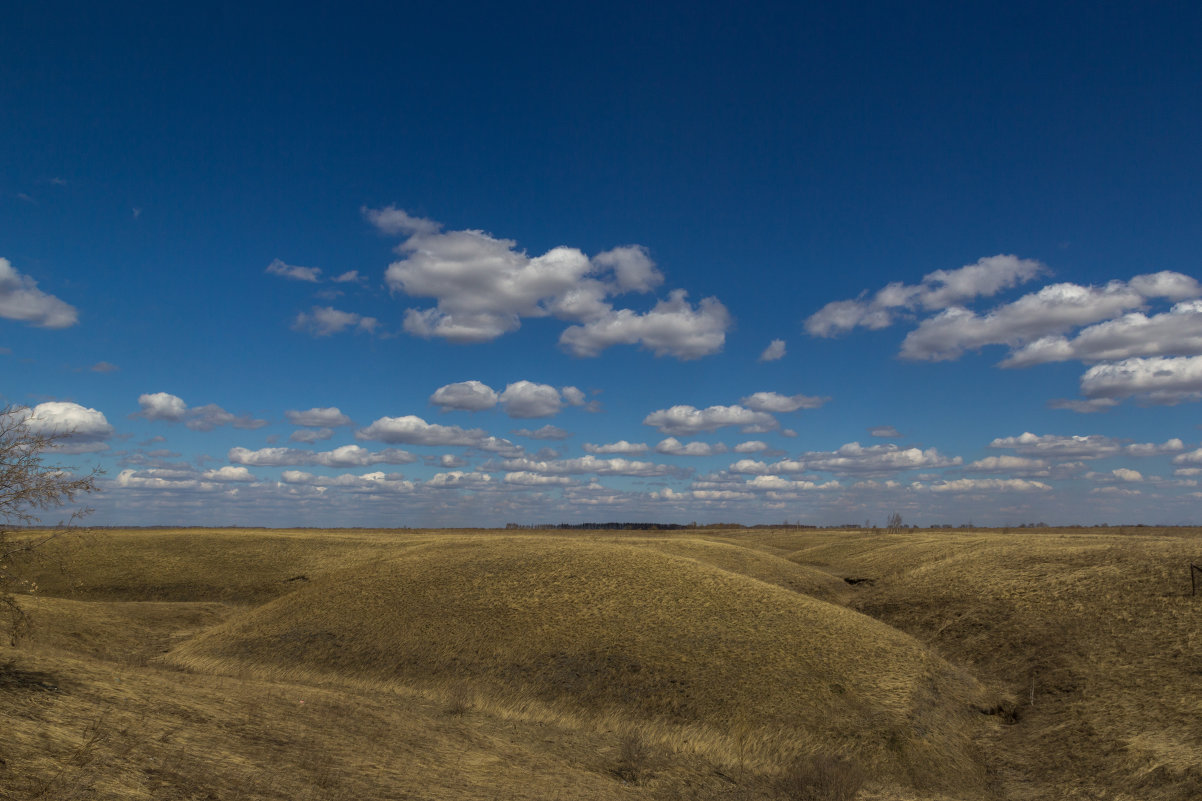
column 710, row 663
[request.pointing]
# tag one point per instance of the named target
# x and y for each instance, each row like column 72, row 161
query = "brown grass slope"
column 1092, row 632
column 614, row 628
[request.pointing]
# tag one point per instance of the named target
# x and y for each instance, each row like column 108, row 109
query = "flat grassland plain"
column 707, row 663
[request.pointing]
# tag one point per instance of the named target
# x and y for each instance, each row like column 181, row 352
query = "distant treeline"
column 648, row 526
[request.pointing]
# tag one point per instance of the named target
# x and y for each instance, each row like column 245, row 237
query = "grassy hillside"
column 231, row 664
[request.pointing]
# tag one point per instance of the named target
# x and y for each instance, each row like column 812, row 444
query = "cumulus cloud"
column 633, row 269
column 163, row 406
column 1167, row 380
column 1010, row 464
column 751, row 446
column 312, row 435
column 672, row 328
column 470, row 396
column 413, row 430
column 619, row 447
column 986, row 484
column 545, row 432
column 674, row 447
column 20, row 299
column 1091, row 406
column 483, row 287
column 573, row 396
column 344, row 456
column 525, row 399
column 591, row 464
column 1092, row 446
column 686, row 421
column 938, row 290
column 1177, row 332
column 1126, row 474
column 327, row 417
column 527, row 479
column 310, row 274
column 368, row 481
column 774, row 351
column 1033, row 325
column 884, row 432
column 324, row 321
column 228, row 473
column 775, row 402
column 457, row 479
column 885, row 458
column 82, row 429
column 1174, row 445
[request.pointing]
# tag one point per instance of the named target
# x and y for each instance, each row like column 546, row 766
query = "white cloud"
column 1092, row 446
column 884, row 432
column 685, row 420
column 457, row 479
column 472, row 396
column 774, row 351
column 674, row 447
column 525, row 399
column 528, row 479
column 1083, row 406
column 1126, row 474
column 20, row 299
column 591, row 464
column 344, row 456
column 775, row 402
column 545, row 432
column 312, row 435
column 1157, row 379
column 162, row 406
column 413, row 430
column 856, row 458
column 938, row 290
column 82, row 429
column 751, row 446
column 672, row 328
column 349, row 277
column 772, row 483
column 484, row 286
column 324, row 321
column 1193, row 457
column 621, row 446
column 1037, row 316
column 1010, row 464
column 328, row 417
column 228, row 473
column 1177, row 332
column 310, row 274
column 392, row 220
column 987, row 484
column 634, row 271
column 1174, row 445
column 394, row 482
column 573, row 396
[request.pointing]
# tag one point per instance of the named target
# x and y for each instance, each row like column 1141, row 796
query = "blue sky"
column 415, row 265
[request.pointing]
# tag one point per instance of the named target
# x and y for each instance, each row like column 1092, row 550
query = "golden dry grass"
column 544, row 665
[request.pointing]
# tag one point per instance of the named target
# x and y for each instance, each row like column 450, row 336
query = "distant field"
column 695, row 664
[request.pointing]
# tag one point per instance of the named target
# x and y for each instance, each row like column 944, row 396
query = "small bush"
column 822, row 777
column 634, row 758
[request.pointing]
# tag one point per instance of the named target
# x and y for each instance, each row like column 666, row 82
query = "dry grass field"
column 700, row 664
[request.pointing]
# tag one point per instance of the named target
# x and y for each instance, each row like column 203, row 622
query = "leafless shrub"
column 822, row 777
column 29, row 485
